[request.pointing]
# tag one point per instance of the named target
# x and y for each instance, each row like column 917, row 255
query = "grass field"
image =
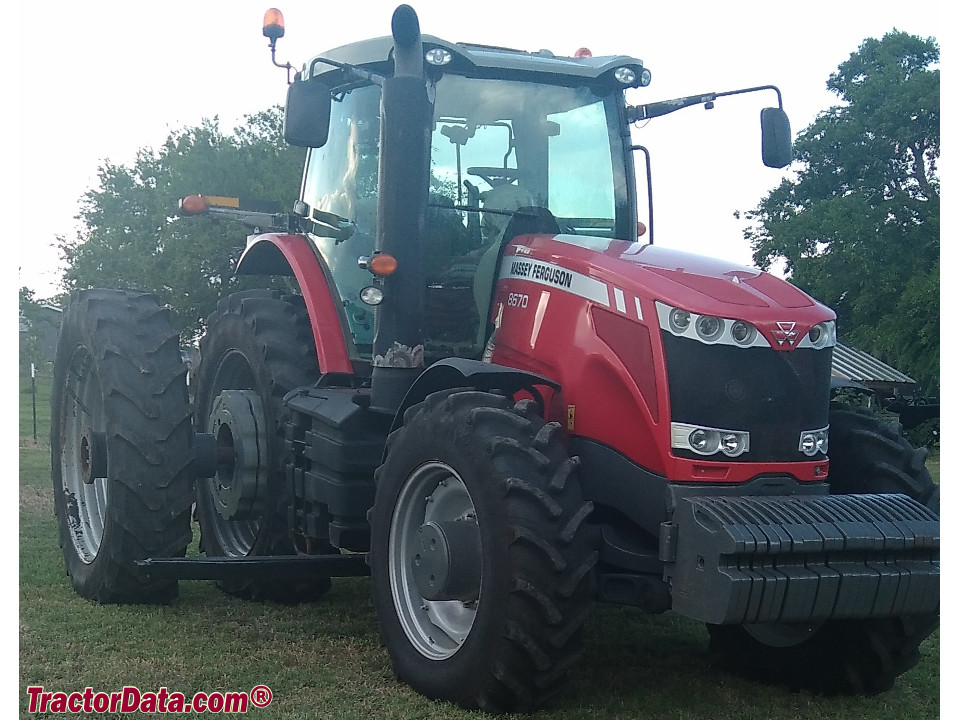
column 323, row 660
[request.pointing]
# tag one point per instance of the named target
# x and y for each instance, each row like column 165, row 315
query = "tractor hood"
column 650, row 273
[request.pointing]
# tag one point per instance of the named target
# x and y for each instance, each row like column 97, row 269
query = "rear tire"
column 120, row 445
column 258, row 346
column 867, row 455
column 506, row 638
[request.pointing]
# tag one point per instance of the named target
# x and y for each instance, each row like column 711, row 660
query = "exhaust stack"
column 403, row 183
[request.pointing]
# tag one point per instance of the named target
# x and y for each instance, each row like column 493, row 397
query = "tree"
column 130, row 237
column 858, row 227
column 29, row 336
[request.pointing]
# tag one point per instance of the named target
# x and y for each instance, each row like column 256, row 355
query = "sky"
column 97, row 81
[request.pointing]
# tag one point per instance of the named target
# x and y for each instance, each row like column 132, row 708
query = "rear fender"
column 292, row 255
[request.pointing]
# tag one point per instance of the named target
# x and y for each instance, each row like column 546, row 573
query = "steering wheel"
column 495, row 176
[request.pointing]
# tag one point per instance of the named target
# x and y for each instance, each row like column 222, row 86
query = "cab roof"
column 376, row 55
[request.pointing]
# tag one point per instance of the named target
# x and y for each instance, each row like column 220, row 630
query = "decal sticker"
column 555, row 276
column 618, row 298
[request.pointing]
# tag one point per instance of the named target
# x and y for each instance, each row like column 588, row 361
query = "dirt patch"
column 36, row 500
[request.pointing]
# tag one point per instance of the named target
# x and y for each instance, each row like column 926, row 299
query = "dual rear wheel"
column 119, row 441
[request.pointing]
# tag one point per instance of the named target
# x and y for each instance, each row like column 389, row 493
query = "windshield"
column 497, row 146
column 500, row 145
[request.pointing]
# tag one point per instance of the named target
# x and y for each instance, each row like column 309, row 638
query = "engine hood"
column 696, row 283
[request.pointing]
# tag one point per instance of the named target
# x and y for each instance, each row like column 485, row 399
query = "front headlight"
column 708, row 328
column 709, row 441
column 814, row 441
column 820, row 336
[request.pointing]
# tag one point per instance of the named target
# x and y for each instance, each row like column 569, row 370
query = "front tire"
column 867, row 455
column 491, row 485
column 120, row 445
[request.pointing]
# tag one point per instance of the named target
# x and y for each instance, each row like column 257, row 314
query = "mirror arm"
column 755, row 89
column 350, row 69
column 636, row 113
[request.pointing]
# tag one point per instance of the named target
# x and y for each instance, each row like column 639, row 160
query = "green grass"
column 323, row 660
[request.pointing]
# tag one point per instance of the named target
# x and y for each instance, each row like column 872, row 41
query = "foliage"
column 130, row 237
column 926, row 434
column 29, row 337
column 858, row 226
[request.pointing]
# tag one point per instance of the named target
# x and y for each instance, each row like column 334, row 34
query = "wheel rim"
column 235, row 537
column 782, row 635
column 434, row 492
column 83, row 456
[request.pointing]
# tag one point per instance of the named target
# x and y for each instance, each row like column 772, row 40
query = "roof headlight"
column 438, row 56
column 625, row 75
column 645, row 77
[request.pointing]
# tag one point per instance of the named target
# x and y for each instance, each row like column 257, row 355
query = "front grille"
column 773, row 395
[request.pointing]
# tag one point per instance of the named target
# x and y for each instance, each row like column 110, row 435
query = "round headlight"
column 625, row 75
column 819, row 335
column 731, row 444
column 709, row 328
column 705, row 442
column 679, row 321
column 438, row 56
column 645, row 77
column 743, row 333
column 371, row 295
column 808, row 444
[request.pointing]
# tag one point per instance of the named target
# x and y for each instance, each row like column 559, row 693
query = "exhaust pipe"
column 403, row 186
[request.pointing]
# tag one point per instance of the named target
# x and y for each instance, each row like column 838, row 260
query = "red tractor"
column 486, row 392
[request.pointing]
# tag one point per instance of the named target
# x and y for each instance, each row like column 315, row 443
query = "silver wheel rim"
column 433, row 492
column 83, row 414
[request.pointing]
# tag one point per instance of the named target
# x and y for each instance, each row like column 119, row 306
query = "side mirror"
column 306, row 120
column 775, row 129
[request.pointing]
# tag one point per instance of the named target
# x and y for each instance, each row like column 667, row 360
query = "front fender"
column 462, row 372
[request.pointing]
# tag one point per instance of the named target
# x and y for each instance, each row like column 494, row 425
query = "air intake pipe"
column 403, row 185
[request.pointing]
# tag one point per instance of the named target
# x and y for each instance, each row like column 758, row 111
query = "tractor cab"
column 513, row 134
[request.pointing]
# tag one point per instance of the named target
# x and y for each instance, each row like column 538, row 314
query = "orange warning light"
column 193, row 205
column 273, row 24
column 383, row 264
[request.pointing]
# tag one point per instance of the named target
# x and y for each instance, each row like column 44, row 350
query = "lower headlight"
column 814, row 441
column 709, row 441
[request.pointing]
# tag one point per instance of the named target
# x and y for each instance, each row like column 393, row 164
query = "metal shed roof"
column 852, row 364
